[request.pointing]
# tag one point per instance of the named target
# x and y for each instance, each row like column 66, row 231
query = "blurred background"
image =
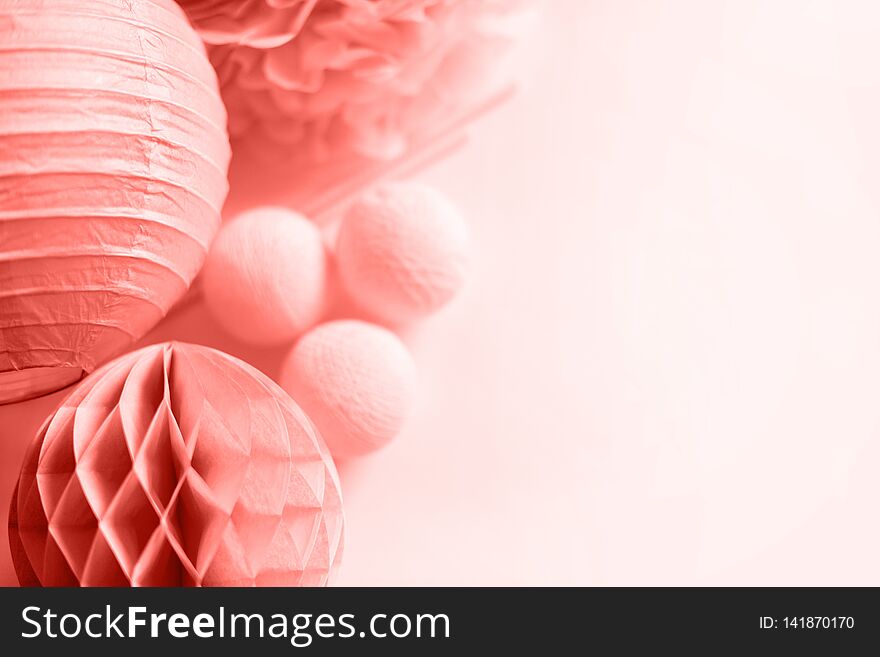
column 666, row 366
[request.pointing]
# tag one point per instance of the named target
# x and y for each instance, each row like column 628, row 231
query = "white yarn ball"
column 265, row 279
column 403, row 251
column 356, row 382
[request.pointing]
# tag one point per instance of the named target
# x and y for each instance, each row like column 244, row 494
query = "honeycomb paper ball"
column 403, row 251
column 176, row 465
column 113, row 160
column 357, row 382
column 265, row 278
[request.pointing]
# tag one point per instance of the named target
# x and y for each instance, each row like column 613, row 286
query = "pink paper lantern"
column 113, row 161
column 177, row 465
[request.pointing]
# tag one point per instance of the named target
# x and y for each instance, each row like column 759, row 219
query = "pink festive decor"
column 177, row 465
column 256, row 23
column 356, row 381
column 403, row 251
column 334, row 77
column 113, row 161
column 265, row 280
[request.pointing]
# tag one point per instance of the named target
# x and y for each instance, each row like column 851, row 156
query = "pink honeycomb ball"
column 177, row 465
column 356, row 381
column 403, row 251
column 265, row 279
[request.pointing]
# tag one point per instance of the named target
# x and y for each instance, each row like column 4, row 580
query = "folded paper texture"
column 113, row 162
column 257, row 23
column 352, row 77
column 177, row 465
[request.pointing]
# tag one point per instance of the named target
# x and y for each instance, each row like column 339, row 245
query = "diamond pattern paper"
column 177, row 465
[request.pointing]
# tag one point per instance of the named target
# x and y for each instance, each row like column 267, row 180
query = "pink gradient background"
column 666, row 366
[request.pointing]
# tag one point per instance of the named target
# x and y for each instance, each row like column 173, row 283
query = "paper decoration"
column 177, row 465
column 337, row 77
column 265, row 280
column 356, row 381
column 403, row 251
column 113, row 161
column 257, row 23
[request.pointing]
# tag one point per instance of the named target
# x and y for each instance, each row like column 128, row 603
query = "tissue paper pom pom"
column 265, row 278
column 257, row 23
column 356, row 381
column 176, row 465
column 113, row 155
column 402, row 251
column 351, row 76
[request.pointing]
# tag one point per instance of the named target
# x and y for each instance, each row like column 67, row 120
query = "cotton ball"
column 402, row 252
column 356, row 381
column 265, row 278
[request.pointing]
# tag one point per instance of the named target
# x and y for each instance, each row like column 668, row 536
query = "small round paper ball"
column 356, row 381
column 113, row 157
column 177, row 465
column 402, row 251
column 265, row 278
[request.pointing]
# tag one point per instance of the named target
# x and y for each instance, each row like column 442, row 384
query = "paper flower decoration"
column 257, row 23
column 177, row 465
column 113, row 160
column 351, row 76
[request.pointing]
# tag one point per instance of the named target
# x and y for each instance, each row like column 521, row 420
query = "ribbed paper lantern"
column 177, row 465
column 113, row 160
